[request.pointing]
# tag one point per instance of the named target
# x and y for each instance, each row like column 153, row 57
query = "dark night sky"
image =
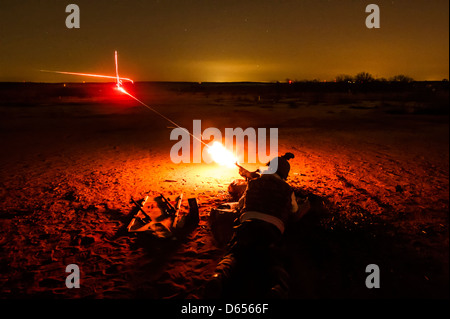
column 210, row 40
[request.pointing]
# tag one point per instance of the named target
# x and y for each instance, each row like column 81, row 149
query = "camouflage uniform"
column 266, row 206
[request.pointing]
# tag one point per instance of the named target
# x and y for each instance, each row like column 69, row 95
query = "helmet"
column 280, row 165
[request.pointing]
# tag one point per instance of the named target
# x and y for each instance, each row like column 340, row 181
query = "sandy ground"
column 379, row 183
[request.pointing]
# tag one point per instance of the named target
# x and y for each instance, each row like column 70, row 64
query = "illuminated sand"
column 68, row 171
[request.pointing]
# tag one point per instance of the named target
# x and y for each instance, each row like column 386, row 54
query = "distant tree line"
column 365, row 77
column 362, row 77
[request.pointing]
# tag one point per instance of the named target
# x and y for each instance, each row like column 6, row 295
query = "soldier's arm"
column 294, row 209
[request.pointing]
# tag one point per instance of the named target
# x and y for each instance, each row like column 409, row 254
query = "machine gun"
column 247, row 174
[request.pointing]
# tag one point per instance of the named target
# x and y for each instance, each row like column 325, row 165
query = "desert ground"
column 373, row 160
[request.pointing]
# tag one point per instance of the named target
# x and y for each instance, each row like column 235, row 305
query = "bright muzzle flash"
column 221, row 155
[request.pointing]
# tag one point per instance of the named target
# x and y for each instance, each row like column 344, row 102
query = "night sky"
column 224, row 40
